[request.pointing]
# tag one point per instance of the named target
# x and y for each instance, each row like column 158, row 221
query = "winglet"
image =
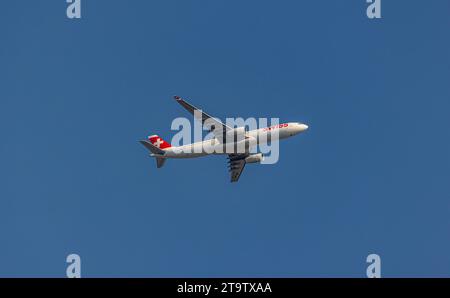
column 176, row 97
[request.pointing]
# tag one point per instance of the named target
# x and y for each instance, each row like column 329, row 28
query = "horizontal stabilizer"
column 152, row 148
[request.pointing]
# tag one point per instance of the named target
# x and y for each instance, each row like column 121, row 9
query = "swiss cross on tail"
column 158, row 142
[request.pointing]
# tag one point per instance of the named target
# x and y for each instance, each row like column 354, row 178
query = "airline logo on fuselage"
column 276, row 126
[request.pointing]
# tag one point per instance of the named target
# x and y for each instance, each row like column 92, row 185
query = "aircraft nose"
column 302, row 127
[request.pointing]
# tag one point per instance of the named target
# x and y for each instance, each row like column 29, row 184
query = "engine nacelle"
column 254, row 158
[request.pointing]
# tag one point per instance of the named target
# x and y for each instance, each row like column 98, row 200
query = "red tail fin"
column 158, row 142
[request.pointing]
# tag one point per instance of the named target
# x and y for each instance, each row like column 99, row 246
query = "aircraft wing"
column 236, row 165
column 218, row 128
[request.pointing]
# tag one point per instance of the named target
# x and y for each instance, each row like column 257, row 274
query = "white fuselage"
column 252, row 138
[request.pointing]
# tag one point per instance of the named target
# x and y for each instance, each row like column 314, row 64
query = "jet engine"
column 254, row 158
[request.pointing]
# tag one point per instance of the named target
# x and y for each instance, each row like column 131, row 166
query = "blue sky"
column 370, row 176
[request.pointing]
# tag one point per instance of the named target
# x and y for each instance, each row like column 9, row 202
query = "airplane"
column 163, row 150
